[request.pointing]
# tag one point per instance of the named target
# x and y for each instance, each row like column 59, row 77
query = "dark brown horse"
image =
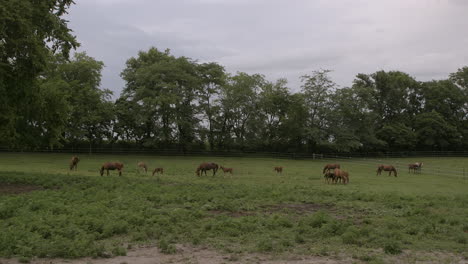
column 226, row 170
column 161, row 170
column 207, row 166
column 111, row 166
column 331, row 167
column 142, row 165
column 388, row 168
column 415, row 167
column 341, row 176
column 329, row 176
column 278, row 169
column 74, row 163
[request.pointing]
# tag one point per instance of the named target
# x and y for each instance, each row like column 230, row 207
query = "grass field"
column 77, row 214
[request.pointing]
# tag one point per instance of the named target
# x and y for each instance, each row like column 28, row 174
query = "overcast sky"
column 280, row 38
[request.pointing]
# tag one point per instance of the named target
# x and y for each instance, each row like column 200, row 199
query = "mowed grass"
column 255, row 210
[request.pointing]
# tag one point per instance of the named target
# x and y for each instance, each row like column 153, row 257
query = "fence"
column 368, row 159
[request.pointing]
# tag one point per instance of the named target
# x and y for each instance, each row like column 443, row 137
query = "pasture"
column 48, row 211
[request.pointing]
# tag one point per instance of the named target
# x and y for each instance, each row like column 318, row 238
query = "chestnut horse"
column 141, row 164
column 74, row 162
column 226, row 170
column 415, row 167
column 331, row 167
column 207, row 166
column 341, row 175
column 388, row 168
column 111, row 166
column 161, row 170
column 278, row 169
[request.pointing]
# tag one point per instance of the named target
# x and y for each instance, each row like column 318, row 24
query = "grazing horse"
column 141, row 164
column 207, row 166
column 278, row 169
column 341, row 175
column 329, row 176
column 388, row 168
column 415, row 167
column 331, row 167
column 226, row 170
column 111, row 166
column 74, row 162
column 161, row 170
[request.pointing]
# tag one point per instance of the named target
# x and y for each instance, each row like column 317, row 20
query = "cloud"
column 280, row 38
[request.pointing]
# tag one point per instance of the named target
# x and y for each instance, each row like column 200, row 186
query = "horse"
column 331, row 167
column 329, row 177
column 388, row 168
column 278, row 169
column 111, row 166
column 341, row 175
column 161, row 170
column 415, row 167
column 207, row 166
column 226, row 170
column 141, row 164
column 74, row 163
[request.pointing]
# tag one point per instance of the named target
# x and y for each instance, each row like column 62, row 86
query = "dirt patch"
column 199, row 255
column 231, row 214
column 188, row 254
column 12, row 188
column 305, row 208
column 301, row 209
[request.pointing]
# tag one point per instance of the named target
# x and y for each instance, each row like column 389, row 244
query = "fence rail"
column 368, row 159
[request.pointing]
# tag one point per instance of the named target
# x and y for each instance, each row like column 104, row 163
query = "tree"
column 90, row 114
column 213, row 77
column 29, row 32
column 434, row 133
column 239, row 105
column 317, row 89
column 165, row 88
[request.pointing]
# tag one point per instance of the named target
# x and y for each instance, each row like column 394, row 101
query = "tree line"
column 50, row 100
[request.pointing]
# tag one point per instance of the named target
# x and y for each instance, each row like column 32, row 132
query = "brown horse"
column 111, row 166
column 74, row 162
column 161, row 170
column 329, row 177
column 341, row 176
column 207, row 166
column 415, row 167
column 278, row 169
column 388, row 168
column 331, row 167
column 226, row 170
column 141, row 164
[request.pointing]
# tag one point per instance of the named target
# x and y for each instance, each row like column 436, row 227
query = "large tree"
column 29, row 32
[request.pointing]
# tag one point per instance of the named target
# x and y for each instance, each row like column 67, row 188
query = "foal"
column 278, row 169
column 230, row 170
column 74, row 162
column 161, row 170
column 141, row 164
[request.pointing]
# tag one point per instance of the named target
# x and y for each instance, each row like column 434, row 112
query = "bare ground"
column 199, row 255
column 9, row 188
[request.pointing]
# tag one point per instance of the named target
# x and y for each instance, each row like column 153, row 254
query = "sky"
column 279, row 38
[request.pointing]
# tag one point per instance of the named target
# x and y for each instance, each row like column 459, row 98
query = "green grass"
column 83, row 214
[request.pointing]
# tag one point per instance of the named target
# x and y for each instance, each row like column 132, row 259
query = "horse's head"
column 102, row 170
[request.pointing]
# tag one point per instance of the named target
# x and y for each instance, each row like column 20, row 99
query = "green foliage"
column 30, row 31
column 83, row 214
